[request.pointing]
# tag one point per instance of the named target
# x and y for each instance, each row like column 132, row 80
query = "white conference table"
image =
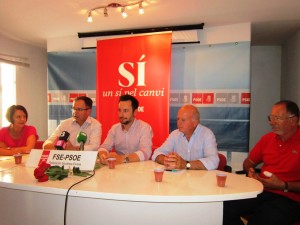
column 126, row 195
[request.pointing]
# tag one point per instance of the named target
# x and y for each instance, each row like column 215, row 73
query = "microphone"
column 62, row 140
column 81, row 139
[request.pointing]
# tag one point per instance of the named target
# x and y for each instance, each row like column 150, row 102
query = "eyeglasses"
column 279, row 118
column 79, row 109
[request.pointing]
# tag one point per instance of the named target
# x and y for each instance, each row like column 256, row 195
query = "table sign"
column 85, row 160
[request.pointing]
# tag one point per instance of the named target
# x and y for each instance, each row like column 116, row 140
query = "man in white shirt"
column 79, row 122
column 131, row 138
column 191, row 146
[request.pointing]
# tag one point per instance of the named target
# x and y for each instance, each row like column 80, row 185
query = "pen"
column 173, row 170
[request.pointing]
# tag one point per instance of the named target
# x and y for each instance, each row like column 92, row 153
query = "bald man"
column 191, row 146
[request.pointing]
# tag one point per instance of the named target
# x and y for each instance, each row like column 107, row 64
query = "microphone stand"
column 81, row 147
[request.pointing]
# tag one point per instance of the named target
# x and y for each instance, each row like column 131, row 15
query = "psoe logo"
column 245, row 98
column 208, row 98
column 141, row 109
column 197, row 98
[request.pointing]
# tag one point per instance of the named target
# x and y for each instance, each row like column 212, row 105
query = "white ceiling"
column 36, row 21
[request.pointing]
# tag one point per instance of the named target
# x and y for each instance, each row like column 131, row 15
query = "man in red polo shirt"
column 279, row 153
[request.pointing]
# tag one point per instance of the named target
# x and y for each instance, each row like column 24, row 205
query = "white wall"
column 31, row 82
column 291, row 69
column 265, row 88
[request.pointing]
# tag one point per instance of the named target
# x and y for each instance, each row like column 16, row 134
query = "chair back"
column 222, row 163
column 39, row 145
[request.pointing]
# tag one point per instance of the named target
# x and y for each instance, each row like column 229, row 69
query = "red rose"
column 43, row 178
column 39, row 172
column 44, row 165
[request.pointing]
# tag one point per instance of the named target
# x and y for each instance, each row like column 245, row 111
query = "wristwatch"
column 286, row 187
column 188, row 165
column 126, row 160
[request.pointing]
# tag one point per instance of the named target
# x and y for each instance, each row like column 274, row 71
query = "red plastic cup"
column 221, row 179
column 18, row 158
column 111, row 163
column 158, row 174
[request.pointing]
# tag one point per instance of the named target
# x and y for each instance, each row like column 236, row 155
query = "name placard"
column 85, row 160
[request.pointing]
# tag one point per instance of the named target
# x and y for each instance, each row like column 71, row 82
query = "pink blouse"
column 13, row 143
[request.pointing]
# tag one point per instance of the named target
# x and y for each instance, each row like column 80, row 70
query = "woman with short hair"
column 17, row 137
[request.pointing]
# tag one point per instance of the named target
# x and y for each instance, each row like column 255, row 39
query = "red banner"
column 139, row 66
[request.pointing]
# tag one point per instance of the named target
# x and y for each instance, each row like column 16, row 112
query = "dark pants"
column 266, row 209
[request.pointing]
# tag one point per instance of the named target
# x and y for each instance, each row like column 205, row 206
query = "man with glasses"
column 279, row 154
column 79, row 122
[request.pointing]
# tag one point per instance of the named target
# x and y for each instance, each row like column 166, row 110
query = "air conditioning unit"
column 180, row 34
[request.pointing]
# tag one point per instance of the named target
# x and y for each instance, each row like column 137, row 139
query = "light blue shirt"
column 202, row 146
column 138, row 140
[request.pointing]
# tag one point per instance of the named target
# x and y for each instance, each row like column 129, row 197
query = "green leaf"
column 77, row 172
column 55, row 177
column 57, row 173
column 61, row 177
column 82, row 174
column 97, row 166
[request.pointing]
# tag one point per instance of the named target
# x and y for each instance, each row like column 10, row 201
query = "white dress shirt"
column 91, row 127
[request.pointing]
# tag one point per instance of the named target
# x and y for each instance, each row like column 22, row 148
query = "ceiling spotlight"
column 116, row 5
column 124, row 14
column 105, row 12
column 90, row 18
column 141, row 9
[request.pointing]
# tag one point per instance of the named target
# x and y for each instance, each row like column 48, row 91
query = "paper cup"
column 18, row 158
column 221, row 179
column 158, row 174
column 111, row 163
